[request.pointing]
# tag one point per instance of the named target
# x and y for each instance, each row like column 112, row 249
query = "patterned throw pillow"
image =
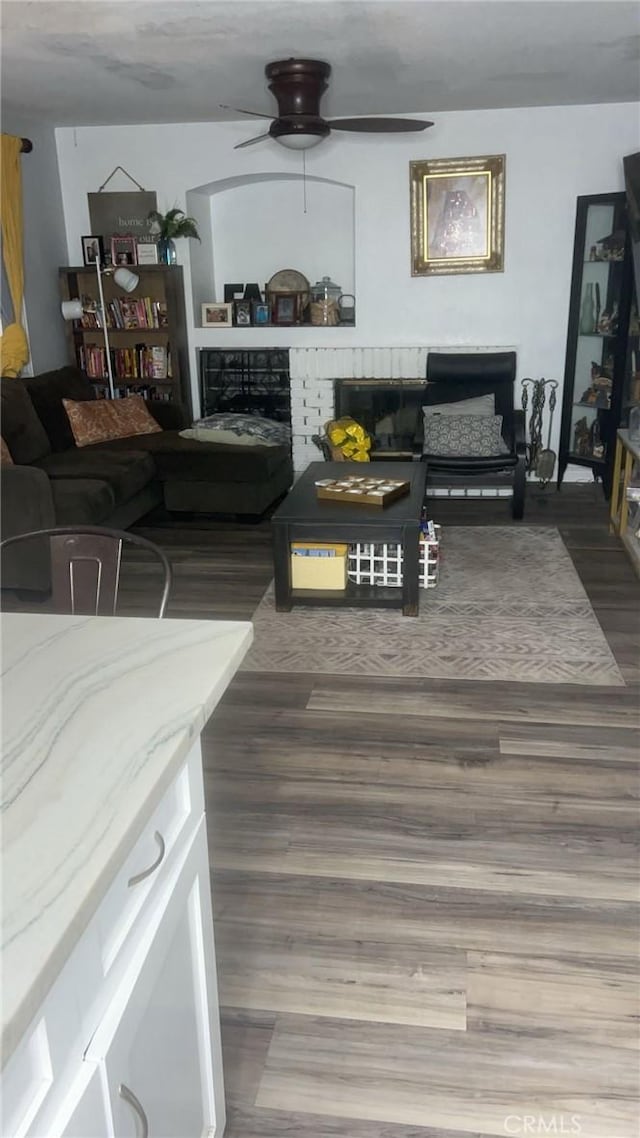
column 5, row 454
column 464, row 436
column 477, row 405
column 239, row 430
column 104, row 419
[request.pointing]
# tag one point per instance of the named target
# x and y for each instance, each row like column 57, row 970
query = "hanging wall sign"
column 121, row 213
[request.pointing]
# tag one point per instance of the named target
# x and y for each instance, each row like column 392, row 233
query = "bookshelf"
column 147, row 332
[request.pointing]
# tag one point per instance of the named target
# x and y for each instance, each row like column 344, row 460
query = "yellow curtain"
column 14, row 349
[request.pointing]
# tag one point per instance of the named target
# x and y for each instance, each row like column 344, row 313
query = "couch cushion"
column 82, row 501
column 47, row 392
column 125, row 471
column 21, row 428
column 106, row 419
column 192, row 461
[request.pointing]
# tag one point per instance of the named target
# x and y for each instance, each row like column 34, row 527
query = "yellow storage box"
column 318, row 565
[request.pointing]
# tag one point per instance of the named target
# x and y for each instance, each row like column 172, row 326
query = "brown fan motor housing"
column 298, row 85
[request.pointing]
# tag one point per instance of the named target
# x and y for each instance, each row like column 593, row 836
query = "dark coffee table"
column 303, row 517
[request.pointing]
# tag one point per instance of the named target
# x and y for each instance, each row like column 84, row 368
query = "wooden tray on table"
column 363, row 489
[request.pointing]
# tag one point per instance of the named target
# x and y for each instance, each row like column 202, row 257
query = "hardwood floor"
column 425, row 891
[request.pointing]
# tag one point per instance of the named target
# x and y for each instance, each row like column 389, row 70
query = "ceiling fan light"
column 299, row 141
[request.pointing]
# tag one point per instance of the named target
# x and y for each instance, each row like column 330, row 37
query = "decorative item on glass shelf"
column 92, row 250
column 457, row 215
column 217, row 315
column 610, row 248
column 588, row 319
column 168, row 226
column 598, row 394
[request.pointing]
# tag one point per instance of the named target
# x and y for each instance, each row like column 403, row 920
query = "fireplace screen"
column 389, row 409
column 254, row 382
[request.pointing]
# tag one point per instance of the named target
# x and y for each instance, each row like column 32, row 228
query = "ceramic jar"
column 323, row 308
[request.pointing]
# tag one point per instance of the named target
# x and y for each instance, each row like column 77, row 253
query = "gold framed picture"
column 457, row 215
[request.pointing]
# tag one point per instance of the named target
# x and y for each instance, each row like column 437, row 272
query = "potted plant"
column 169, row 225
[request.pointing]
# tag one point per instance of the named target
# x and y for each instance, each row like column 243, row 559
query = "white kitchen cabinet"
column 109, row 1021
column 154, row 1047
column 84, row 1112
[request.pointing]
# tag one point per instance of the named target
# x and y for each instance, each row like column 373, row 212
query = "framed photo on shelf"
column 243, row 313
column 285, row 308
column 123, row 251
column 147, row 253
column 457, row 215
column 216, row 315
column 261, row 313
column 92, row 250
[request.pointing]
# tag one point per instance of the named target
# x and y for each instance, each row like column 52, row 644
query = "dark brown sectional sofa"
column 54, row 482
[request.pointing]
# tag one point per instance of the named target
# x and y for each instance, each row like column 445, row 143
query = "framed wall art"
column 92, row 250
column 147, row 253
column 284, row 308
column 457, row 215
column 243, row 312
column 123, row 250
column 217, row 315
column 261, row 313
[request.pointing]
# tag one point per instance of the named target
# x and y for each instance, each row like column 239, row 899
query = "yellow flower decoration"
column 350, row 438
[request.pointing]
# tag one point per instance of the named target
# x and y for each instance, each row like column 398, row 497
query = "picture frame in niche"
column 261, row 313
column 215, row 315
column 243, row 313
column 457, row 215
column 123, row 250
column 92, row 250
column 285, row 308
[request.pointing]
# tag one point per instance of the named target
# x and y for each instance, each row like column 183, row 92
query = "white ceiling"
column 80, row 62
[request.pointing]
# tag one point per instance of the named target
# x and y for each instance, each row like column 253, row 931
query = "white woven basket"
column 381, row 563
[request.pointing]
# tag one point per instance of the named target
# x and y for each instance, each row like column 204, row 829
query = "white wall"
column 553, row 154
column 45, row 244
column 261, row 227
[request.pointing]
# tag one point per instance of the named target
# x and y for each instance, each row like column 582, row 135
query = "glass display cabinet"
column 602, row 360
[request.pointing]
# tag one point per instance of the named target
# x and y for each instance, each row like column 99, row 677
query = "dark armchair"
column 452, row 376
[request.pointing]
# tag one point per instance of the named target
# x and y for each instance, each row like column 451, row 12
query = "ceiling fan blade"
column 250, row 141
column 379, row 125
column 241, row 111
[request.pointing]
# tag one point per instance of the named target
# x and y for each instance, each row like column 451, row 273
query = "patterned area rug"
column 509, row 605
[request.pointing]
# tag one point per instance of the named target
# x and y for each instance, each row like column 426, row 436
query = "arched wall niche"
column 253, row 225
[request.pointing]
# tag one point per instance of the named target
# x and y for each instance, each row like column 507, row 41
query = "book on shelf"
column 142, row 361
column 124, row 313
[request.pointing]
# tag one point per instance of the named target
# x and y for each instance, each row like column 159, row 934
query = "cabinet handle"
column 136, row 1106
column 138, row 877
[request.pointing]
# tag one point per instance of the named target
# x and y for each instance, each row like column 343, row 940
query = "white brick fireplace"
column 313, row 371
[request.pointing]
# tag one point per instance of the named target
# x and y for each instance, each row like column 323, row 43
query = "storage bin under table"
column 302, row 517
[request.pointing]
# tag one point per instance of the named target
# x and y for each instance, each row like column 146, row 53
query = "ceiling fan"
column 298, row 86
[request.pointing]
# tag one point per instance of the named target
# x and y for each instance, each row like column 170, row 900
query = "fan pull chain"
column 304, row 181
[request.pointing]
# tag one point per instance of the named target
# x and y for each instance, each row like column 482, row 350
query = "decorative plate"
column 288, row 280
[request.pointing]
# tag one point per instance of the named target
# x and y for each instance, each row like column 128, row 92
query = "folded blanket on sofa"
column 240, row 430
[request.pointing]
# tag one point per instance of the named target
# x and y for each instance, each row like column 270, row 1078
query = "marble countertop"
column 98, row 713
